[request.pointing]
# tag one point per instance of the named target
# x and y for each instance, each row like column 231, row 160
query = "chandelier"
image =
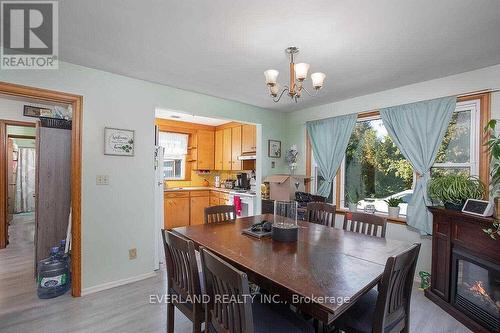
column 298, row 74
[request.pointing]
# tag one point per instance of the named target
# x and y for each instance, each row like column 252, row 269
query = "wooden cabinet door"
column 219, row 135
column 205, row 149
column 248, row 138
column 235, row 148
column 441, row 247
column 198, row 205
column 176, row 212
column 226, row 150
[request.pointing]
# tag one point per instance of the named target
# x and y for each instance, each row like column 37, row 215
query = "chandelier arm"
column 307, row 91
column 285, row 88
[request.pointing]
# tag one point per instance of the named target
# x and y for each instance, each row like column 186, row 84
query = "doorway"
column 43, row 96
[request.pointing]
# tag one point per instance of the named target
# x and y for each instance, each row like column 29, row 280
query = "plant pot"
column 452, row 206
column 353, row 207
column 394, row 211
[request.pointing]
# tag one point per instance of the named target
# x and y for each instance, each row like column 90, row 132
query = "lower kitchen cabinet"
column 176, row 212
column 198, row 205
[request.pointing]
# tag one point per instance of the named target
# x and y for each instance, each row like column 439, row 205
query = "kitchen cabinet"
column 199, row 201
column 176, row 209
column 235, row 148
column 226, row 149
column 218, row 161
column 248, row 138
column 204, row 151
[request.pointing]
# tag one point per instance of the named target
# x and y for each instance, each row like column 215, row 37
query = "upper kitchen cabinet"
column 226, row 149
column 219, row 147
column 204, row 151
column 235, row 148
column 248, row 138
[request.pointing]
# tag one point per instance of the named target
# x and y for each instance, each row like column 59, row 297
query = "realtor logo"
column 29, row 35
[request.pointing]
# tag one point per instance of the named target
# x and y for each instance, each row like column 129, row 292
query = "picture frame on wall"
column 119, row 142
column 274, row 148
column 36, row 111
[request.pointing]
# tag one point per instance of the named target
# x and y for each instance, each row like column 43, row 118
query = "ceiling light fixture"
column 298, row 74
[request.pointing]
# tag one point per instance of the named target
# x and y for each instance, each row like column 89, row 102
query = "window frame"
column 185, row 170
column 482, row 104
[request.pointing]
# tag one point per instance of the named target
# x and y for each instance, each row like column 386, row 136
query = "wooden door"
column 218, row 163
column 176, row 212
column 248, row 138
column 198, row 205
column 226, row 150
column 235, row 148
column 53, row 188
column 205, row 150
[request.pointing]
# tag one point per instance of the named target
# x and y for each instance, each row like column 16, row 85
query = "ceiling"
column 179, row 116
column 222, row 47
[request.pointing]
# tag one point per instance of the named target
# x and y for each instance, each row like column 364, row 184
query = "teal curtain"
column 418, row 130
column 329, row 139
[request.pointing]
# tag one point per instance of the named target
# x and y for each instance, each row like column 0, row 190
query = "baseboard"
column 117, row 283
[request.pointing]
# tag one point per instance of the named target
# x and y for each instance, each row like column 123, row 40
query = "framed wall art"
column 118, row 142
column 274, row 148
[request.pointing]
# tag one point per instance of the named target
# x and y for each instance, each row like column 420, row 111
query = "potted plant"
column 352, row 198
column 454, row 190
column 393, row 205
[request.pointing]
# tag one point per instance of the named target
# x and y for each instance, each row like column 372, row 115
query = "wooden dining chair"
column 387, row 310
column 230, row 308
column 368, row 224
column 220, row 213
column 183, row 281
column 321, row 213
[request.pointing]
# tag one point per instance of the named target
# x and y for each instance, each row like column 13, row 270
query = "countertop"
column 205, row 188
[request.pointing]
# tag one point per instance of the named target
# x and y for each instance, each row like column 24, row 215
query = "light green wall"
column 25, row 143
column 21, row 130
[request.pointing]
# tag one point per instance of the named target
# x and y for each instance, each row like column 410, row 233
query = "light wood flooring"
column 126, row 308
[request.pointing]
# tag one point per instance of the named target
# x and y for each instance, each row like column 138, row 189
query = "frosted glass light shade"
column 274, row 89
column 318, row 80
column 271, row 76
column 301, row 70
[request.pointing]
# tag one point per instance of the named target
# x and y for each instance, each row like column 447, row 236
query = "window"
column 174, row 157
column 374, row 169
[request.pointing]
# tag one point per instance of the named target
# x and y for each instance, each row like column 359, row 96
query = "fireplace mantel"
column 457, row 230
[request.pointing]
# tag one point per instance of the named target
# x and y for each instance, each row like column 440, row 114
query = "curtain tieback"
column 424, row 176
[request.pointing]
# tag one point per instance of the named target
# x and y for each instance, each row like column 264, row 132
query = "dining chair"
column 321, row 213
column 220, row 213
column 231, row 309
column 388, row 309
column 184, row 287
column 368, row 224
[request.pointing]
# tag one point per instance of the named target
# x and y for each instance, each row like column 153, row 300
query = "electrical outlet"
column 132, row 254
column 102, row 180
column 273, row 165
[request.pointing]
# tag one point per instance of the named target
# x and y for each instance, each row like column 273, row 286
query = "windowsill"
column 396, row 220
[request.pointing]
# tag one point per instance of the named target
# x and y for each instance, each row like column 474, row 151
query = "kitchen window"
column 374, row 169
column 174, row 158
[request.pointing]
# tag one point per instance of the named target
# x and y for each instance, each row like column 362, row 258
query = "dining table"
column 322, row 274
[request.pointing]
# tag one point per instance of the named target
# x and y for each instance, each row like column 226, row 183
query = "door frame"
column 76, row 101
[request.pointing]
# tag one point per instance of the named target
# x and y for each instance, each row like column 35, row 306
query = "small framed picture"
column 118, row 142
column 274, row 148
column 35, row 111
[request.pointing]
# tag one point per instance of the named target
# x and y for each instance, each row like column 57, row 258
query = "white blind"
column 175, row 144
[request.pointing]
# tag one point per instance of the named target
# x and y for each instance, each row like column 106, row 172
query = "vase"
column 353, row 207
column 394, row 211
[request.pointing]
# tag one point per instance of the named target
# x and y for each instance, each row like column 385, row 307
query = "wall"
column 486, row 78
column 120, row 216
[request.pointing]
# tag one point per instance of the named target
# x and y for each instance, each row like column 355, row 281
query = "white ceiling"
column 222, row 47
column 180, row 116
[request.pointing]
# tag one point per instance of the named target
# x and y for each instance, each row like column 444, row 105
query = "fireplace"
column 475, row 288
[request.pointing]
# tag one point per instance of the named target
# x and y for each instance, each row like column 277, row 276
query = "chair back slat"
column 392, row 311
column 321, row 213
column 228, row 309
column 182, row 268
column 368, row 224
column 222, row 213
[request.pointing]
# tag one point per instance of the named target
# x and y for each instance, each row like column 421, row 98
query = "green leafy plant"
column 394, row 202
column 454, row 190
column 493, row 145
column 353, row 196
column 494, row 230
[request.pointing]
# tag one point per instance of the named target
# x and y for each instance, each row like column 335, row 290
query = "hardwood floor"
column 126, row 308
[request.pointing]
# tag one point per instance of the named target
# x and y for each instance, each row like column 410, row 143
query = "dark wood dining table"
column 322, row 274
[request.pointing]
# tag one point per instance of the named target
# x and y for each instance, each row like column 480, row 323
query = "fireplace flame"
column 478, row 288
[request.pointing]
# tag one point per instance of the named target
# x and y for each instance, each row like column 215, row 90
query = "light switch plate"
column 102, row 180
column 132, row 254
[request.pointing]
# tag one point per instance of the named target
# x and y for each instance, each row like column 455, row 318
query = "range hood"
column 247, row 156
